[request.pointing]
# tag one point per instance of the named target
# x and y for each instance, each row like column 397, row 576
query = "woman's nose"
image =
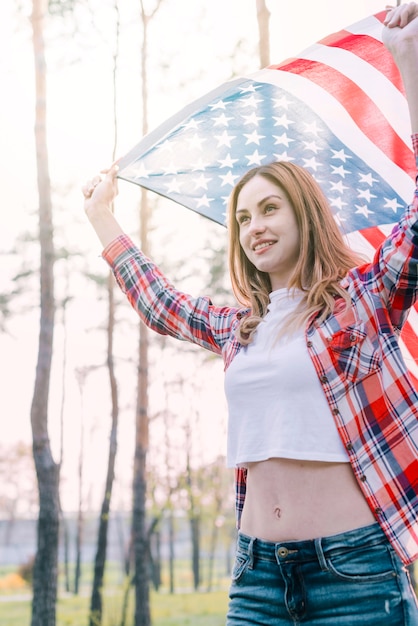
column 257, row 225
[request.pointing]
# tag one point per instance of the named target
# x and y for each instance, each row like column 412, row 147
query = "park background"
column 192, row 48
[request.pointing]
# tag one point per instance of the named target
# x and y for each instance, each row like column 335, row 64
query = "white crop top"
column 277, row 407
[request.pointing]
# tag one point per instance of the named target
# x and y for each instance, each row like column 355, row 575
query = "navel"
column 277, row 512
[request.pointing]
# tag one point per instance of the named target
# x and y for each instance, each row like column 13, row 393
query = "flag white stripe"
column 358, row 242
column 378, row 88
column 370, row 26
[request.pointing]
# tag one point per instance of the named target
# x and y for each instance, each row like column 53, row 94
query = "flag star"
column 337, row 203
column 339, row 171
column 202, row 182
column 252, row 119
column 171, row 168
column 251, row 101
column 227, row 161
column 283, row 120
column 340, row 154
column 224, row 139
column 166, row 145
column 136, row 170
column 228, row 178
column 312, row 163
column 392, row 204
column 363, row 209
column 311, row 145
column 282, row 139
column 195, row 141
column 368, row 179
column 339, row 187
column 254, row 138
column 365, row 194
column 200, row 165
column 312, row 127
column 222, row 120
column 173, row 186
column 191, row 125
column 340, row 219
column 218, row 105
column 203, row 201
column 250, row 88
column 283, row 156
column 281, row 102
column 255, row 158
column 319, row 180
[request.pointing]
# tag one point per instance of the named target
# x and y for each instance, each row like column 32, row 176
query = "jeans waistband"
column 311, row 548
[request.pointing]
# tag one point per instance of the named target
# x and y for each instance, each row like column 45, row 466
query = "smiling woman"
column 268, row 230
column 323, row 416
column 282, row 234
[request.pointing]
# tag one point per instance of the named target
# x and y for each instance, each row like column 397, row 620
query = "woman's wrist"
column 104, row 223
column 96, row 210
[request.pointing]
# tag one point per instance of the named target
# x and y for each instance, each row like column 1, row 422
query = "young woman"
column 323, row 417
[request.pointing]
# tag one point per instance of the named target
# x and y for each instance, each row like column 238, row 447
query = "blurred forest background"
column 112, row 449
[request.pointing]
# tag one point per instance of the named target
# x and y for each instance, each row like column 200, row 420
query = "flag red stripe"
column 360, row 107
column 380, row 16
column 374, row 236
column 369, row 50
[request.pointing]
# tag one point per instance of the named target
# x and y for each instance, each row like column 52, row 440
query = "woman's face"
column 268, row 231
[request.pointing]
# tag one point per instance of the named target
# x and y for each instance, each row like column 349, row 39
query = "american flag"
column 338, row 109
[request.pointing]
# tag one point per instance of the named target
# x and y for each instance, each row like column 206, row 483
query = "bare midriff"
column 289, row 500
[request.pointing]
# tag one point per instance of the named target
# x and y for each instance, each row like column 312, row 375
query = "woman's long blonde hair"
column 324, row 258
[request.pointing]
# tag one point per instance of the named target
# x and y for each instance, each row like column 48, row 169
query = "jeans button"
column 283, row 552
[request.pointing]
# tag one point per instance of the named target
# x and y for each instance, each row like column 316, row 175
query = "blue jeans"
column 350, row 579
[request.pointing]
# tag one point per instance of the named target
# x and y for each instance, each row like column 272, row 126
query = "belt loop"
column 251, row 553
column 320, row 554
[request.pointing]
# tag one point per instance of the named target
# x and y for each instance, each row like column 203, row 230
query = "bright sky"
column 194, row 53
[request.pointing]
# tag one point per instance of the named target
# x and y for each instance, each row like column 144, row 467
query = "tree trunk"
column 155, row 556
column 195, row 532
column 139, row 526
column 139, row 532
column 80, row 515
column 140, row 536
column 66, row 543
column 96, row 603
column 263, row 18
column 47, row 471
column 212, row 550
column 96, row 607
column 193, row 513
column 171, row 549
column 78, row 544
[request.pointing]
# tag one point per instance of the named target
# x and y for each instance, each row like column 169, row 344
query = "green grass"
column 200, row 609
column 183, row 609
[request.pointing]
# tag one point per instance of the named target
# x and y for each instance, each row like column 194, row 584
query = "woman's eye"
column 243, row 219
column 269, row 208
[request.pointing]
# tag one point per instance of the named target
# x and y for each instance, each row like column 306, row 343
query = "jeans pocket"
column 373, row 564
column 240, row 566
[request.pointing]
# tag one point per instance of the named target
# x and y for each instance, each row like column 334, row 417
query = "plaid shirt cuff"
column 116, row 249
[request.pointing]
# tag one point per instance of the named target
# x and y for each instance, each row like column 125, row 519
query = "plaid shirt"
column 356, row 355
